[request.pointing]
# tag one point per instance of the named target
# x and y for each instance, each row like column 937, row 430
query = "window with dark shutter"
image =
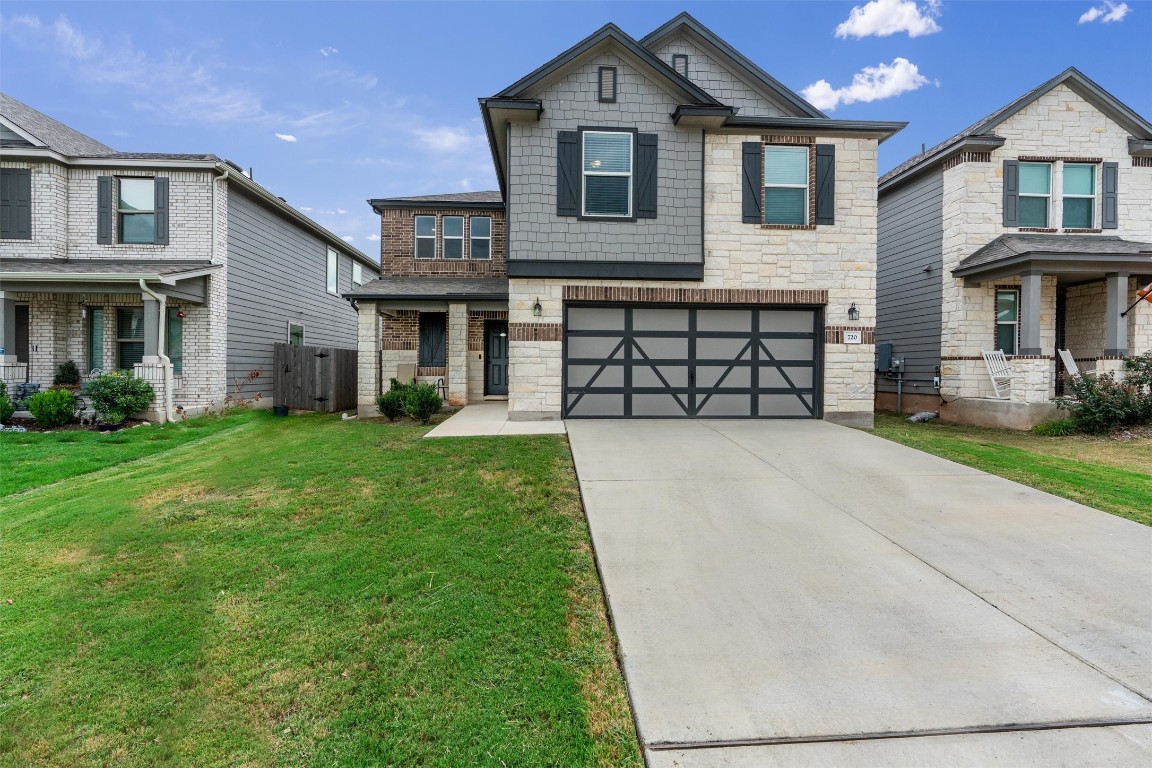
column 750, row 185
column 825, row 184
column 104, row 210
column 568, row 173
column 1011, row 193
column 433, row 338
column 16, row 204
column 646, row 175
column 1110, row 182
column 161, row 204
column 606, row 84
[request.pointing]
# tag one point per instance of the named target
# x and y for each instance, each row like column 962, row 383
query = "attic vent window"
column 680, row 64
column 606, row 84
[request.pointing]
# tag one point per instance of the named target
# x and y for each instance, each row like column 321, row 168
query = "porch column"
column 368, row 346
column 7, row 329
column 1030, row 312
column 1116, row 327
column 457, row 354
column 151, row 329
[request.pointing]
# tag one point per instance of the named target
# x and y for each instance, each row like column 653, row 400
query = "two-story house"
column 685, row 237
column 176, row 266
column 1028, row 232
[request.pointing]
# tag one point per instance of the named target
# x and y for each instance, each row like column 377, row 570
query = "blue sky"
column 333, row 103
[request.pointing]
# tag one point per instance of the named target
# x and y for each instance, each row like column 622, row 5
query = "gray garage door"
column 691, row 362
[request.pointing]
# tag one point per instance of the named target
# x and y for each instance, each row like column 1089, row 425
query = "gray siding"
column 536, row 232
column 719, row 81
column 908, row 299
column 277, row 273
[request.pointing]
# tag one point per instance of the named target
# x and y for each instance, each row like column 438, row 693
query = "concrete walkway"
column 491, row 419
column 797, row 593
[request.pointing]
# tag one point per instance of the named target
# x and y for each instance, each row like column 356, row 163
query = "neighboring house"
column 118, row 260
column 685, row 237
column 1028, row 232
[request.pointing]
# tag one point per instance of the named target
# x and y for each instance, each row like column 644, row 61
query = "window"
column 295, row 334
column 357, row 274
column 606, row 84
column 333, row 271
column 452, row 228
column 1035, row 194
column 129, row 336
column 480, row 232
column 95, row 338
column 607, row 173
column 137, row 210
column 1007, row 319
column 1079, row 196
column 15, row 204
column 680, row 64
column 174, row 344
column 425, row 237
column 785, row 185
column 433, row 335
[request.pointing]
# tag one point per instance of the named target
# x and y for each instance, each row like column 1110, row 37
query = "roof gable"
column 43, row 131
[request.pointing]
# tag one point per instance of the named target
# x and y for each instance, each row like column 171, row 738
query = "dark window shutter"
column 825, row 183
column 161, row 191
column 104, row 210
column 433, row 337
column 646, row 176
column 568, row 173
column 1110, row 184
column 1011, row 193
column 753, row 181
column 7, row 203
column 16, row 204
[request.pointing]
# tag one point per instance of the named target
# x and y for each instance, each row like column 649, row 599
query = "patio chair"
column 1070, row 365
column 406, row 373
column 999, row 372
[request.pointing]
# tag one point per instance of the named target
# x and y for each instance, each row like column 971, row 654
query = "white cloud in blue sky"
column 881, row 18
column 1106, row 13
column 286, row 137
column 882, row 81
column 328, row 50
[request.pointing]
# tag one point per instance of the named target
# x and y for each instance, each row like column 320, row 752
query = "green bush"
column 52, row 408
column 1100, row 404
column 391, row 404
column 6, row 407
column 67, row 373
column 421, row 401
column 1055, row 428
column 117, row 395
column 1138, row 376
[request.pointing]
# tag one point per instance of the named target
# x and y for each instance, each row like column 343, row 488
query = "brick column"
column 367, row 359
column 457, row 354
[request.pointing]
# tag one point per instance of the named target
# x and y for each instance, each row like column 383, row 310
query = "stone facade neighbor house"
column 1029, row 232
column 684, row 237
column 176, row 266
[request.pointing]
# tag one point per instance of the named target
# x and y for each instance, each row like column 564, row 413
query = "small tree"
column 67, row 374
column 421, row 401
column 53, row 408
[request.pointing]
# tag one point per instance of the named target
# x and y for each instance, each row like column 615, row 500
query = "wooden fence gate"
column 314, row 378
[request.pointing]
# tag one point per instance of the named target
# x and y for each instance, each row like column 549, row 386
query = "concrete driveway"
column 798, row 593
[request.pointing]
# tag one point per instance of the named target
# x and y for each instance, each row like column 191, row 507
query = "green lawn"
column 307, row 591
column 1100, row 472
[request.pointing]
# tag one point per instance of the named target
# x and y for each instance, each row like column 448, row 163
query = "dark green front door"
column 496, row 353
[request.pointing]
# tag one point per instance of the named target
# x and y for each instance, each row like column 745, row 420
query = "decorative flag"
column 1146, row 293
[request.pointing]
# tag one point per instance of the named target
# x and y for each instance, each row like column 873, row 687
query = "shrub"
column 1055, row 428
column 391, row 404
column 421, row 401
column 117, row 395
column 1138, row 376
column 1101, row 404
column 52, row 408
column 6, row 407
column 67, row 374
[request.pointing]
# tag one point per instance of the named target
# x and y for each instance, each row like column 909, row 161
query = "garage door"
column 691, row 362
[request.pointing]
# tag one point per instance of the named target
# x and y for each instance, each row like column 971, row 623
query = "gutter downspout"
column 212, row 247
column 164, row 361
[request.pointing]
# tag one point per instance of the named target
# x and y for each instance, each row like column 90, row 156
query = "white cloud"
column 328, row 50
column 870, row 84
column 305, row 209
column 448, row 139
column 348, row 238
column 373, row 238
column 286, row 137
column 1108, row 12
column 881, row 18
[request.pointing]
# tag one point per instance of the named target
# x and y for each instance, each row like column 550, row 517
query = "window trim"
column 1093, row 197
column 444, row 238
column 1022, row 194
column 472, row 239
column 631, row 175
column 417, row 237
column 996, row 318
column 303, row 333
column 808, row 186
column 121, row 213
column 332, row 272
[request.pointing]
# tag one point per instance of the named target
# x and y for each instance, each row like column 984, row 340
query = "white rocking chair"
column 1070, row 365
column 999, row 372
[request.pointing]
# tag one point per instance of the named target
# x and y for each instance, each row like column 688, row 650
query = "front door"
column 496, row 351
column 22, row 327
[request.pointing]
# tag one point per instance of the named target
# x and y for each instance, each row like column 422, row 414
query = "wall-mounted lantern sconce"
column 853, row 313
column 537, row 310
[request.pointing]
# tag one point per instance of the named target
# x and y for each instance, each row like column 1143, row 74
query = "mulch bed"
column 31, row 425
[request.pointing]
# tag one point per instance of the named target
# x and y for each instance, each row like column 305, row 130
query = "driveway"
column 798, row 593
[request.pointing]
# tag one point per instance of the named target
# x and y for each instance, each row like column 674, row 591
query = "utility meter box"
column 883, row 356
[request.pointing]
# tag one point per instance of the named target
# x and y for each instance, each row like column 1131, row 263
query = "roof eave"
column 408, row 297
column 380, row 205
column 992, row 269
column 881, row 130
column 984, row 143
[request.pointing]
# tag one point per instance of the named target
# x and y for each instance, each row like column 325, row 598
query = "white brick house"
column 686, row 237
column 171, row 265
column 1029, row 232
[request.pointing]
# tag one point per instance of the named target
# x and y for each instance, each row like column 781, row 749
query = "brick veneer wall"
column 398, row 245
column 476, row 318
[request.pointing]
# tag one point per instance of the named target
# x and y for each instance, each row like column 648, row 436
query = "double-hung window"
column 480, row 234
column 785, row 185
column 425, row 237
column 1007, row 320
column 607, row 176
column 1035, row 194
column 333, row 271
column 452, row 233
column 1079, row 195
column 137, row 210
column 129, row 336
column 357, row 274
column 295, row 334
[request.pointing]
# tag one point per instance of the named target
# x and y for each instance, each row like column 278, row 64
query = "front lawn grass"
column 1100, row 472
column 307, row 591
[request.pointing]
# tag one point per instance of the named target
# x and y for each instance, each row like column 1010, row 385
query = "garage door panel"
column 660, row 348
column 774, row 378
column 724, row 348
column 786, row 405
column 663, row 404
column 595, row 347
column 787, row 349
column 796, row 321
column 725, row 407
column 595, row 405
column 596, row 375
column 646, row 376
column 596, row 318
column 726, row 320
column 729, row 376
column 660, row 319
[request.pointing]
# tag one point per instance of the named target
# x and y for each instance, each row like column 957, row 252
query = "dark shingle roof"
column 102, row 266
column 1011, row 246
column 52, row 133
column 438, row 288
column 457, row 197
